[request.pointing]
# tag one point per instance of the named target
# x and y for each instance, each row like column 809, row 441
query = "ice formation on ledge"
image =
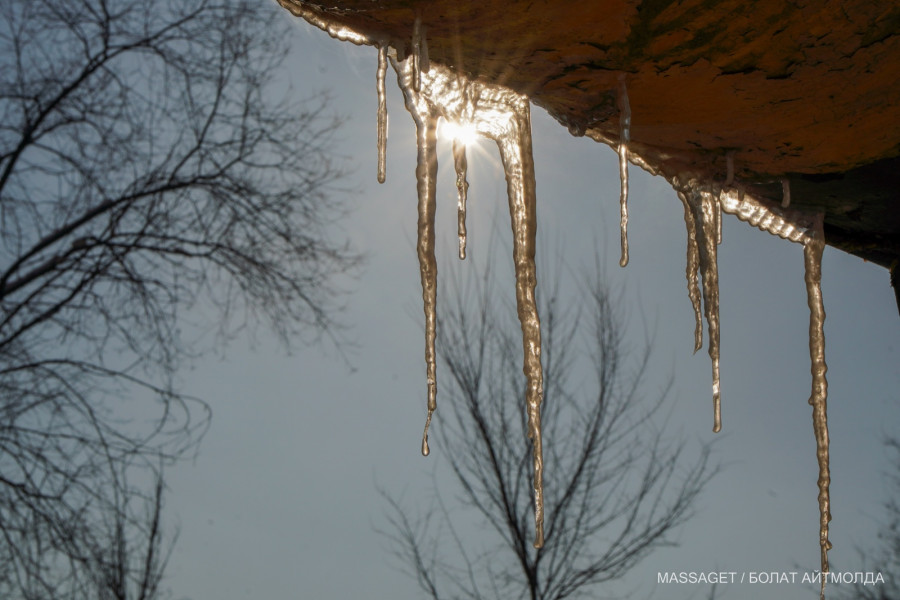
column 432, row 92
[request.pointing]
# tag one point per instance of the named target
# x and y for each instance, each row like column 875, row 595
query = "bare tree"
column 151, row 171
column 615, row 485
column 885, row 559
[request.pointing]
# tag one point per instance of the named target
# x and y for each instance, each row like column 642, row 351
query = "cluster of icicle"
column 703, row 208
column 432, row 92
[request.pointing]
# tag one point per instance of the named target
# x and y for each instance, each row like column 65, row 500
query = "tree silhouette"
column 886, row 558
column 153, row 180
column 615, row 484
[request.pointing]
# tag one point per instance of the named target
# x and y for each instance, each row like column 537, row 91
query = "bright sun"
column 462, row 132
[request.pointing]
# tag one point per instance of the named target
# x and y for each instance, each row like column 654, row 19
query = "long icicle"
column 382, row 112
column 624, row 138
column 691, row 271
column 518, row 165
column 426, row 119
column 812, row 259
column 417, row 54
column 426, row 178
column 703, row 205
column 462, row 188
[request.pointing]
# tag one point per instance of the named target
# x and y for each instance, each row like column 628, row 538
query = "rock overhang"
column 802, row 92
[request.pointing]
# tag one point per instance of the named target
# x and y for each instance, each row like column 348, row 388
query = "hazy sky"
column 281, row 501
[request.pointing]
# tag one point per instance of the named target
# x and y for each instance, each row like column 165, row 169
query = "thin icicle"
column 785, row 193
column 624, row 138
column 691, row 271
column 462, row 189
column 382, row 111
column 518, row 165
column 718, row 214
column 426, row 119
column 426, row 178
column 703, row 204
column 812, row 259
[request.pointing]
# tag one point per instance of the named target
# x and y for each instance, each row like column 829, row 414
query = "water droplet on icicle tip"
column 460, row 164
column 382, row 126
column 624, row 138
column 785, row 193
column 812, row 259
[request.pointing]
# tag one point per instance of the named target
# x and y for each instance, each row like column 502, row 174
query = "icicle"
column 462, row 188
column 382, row 111
column 703, row 205
column 691, row 271
column 785, row 193
column 812, row 259
column 518, row 165
column 624, row 138
column 426, row 119
column 717, row 206
column 504, row 116
column 426, row 178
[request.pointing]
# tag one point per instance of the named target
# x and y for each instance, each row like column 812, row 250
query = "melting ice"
column 433, row 92
column 505, row 117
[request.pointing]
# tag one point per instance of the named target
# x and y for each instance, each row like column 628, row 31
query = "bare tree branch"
column 150, row 167
column 615, row 485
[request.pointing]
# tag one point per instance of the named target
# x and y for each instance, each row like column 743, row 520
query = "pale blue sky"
column 281, row 501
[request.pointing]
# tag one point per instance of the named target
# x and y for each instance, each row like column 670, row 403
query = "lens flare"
column 464, row 133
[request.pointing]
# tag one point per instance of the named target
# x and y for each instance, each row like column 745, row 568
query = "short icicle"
column 718, row 213
column 812, row 259
column 518, row 164
column 692, row 271
column 382, row 111
column 729, row 168
column 462, row 189
column 624, row 138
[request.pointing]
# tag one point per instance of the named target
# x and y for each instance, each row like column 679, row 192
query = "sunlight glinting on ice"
column 432, row 92
column 503, row 116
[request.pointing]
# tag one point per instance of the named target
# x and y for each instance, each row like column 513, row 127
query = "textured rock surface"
column 804, row 90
